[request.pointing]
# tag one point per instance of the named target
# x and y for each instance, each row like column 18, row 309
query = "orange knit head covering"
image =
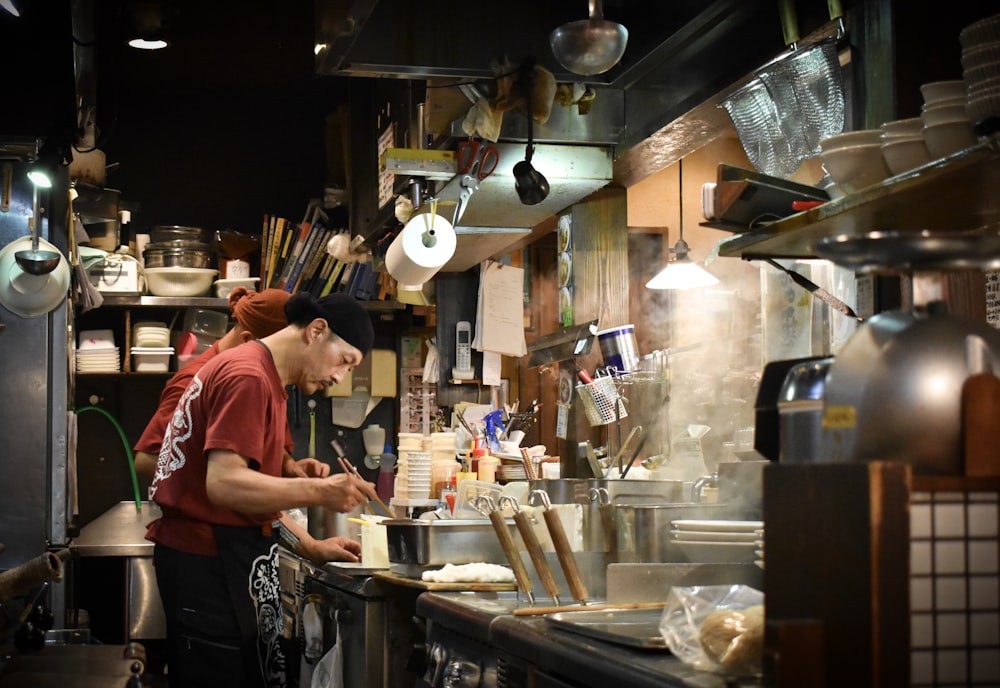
column 261, row 313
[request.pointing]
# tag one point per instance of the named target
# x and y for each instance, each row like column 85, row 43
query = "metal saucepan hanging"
column 792, row 103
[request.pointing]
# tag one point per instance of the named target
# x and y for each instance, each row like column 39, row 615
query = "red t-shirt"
column 235, row 402
column 152, row 437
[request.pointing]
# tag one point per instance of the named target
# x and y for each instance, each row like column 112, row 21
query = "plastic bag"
column 716, row 628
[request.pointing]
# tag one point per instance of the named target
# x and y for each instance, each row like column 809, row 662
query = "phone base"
column 459, row 374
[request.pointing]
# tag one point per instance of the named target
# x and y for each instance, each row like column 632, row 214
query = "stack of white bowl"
column 854, row 159
column 96, row 352
column 413, row 468
column 903, row 145
column 947, row 127
column 981, row 67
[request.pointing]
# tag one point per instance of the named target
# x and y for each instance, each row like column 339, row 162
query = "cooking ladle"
column 531, row 186
column 589, row 46
column 33, row 261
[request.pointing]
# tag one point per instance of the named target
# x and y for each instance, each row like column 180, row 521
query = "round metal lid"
column 906, row 251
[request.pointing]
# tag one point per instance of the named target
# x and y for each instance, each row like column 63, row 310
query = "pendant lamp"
column 681, row 272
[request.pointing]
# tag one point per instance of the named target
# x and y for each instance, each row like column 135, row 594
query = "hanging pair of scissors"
column 475, row 162
column 477, row 158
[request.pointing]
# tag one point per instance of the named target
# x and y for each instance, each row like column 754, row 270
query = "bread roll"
column 734, row 638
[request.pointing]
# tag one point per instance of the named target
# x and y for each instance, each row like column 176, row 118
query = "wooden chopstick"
column 353, row 470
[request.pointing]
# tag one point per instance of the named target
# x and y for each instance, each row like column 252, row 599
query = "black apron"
column 250, row 566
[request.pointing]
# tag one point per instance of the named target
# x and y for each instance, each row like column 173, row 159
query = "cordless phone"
column 463, row 351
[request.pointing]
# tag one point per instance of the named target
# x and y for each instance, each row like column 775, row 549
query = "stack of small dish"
column 717, row 541
column 96, row 352
column 150, row 333
column 413, row 474
column 759, row 561
column 947, row 127
column 981, row 68
column 903, row 145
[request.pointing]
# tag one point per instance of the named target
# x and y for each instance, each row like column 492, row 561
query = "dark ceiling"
column 240, row 81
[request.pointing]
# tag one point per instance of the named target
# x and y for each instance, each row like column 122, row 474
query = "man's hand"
column 339, row 548
column 304, row 468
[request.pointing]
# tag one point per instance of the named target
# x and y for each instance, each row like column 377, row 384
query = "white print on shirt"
column 265, row 592
column 171, row 456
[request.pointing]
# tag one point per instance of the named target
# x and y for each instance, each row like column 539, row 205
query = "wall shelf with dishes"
column 956, row 193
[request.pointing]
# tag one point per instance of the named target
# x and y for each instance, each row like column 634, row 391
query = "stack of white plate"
column 717, row 541
column 96, row 352
column 413, row 475
column 150, row 334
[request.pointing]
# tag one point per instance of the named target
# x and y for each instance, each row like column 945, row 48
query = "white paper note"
column 500, row 317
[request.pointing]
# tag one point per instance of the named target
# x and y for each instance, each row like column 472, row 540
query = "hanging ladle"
column 589, row 46
column 33, row 261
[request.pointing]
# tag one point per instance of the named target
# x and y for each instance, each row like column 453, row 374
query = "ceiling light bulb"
column 40, row 178
column 148, row 43
column 682, row 273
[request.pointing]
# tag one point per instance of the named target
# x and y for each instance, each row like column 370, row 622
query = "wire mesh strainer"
column 601, row 402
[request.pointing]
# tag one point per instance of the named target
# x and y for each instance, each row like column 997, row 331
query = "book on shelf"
column 332, row 282
column 297, row 254
column 276, row 232
column 314, row 255
column 287, row 237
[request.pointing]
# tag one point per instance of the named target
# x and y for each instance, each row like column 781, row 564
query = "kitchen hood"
column 679, row 55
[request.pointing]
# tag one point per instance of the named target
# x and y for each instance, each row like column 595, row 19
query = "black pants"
column 216, row 608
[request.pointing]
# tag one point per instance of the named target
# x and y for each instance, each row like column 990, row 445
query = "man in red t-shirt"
column 257, row 314
column 220, row 487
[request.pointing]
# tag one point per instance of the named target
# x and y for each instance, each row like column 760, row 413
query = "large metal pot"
column 614, row 492
column 894, row 392
column 178, row 254
column 644, row 529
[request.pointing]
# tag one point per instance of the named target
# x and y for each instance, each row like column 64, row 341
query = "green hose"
column 128, row 450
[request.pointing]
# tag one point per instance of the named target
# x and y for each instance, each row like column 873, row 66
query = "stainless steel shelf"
column 955, row 193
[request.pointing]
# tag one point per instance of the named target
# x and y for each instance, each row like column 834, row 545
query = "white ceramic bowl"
column 948, row 137
column 981, row 31
column 224, row 287
column 943, row 90
column 977, row 77
column 851, row 138
column 983, row 106
column 945, row 102
column 903, row 154
column 180, row 281
column 982, row 54
column 985, row 86
column 944, row 113
column 907, row 128
column 853, row 168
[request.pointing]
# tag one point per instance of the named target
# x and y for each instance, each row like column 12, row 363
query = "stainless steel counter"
column 121, row 532
column 118, row 532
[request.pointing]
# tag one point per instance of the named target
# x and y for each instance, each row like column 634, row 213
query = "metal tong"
column 561, row 543
column 485, row 503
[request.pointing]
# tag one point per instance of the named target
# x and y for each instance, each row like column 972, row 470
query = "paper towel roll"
column 426, row 243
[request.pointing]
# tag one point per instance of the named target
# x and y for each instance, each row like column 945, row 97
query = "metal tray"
column 632, row 627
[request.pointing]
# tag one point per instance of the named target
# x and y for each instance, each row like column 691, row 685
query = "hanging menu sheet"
column 500, row 315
